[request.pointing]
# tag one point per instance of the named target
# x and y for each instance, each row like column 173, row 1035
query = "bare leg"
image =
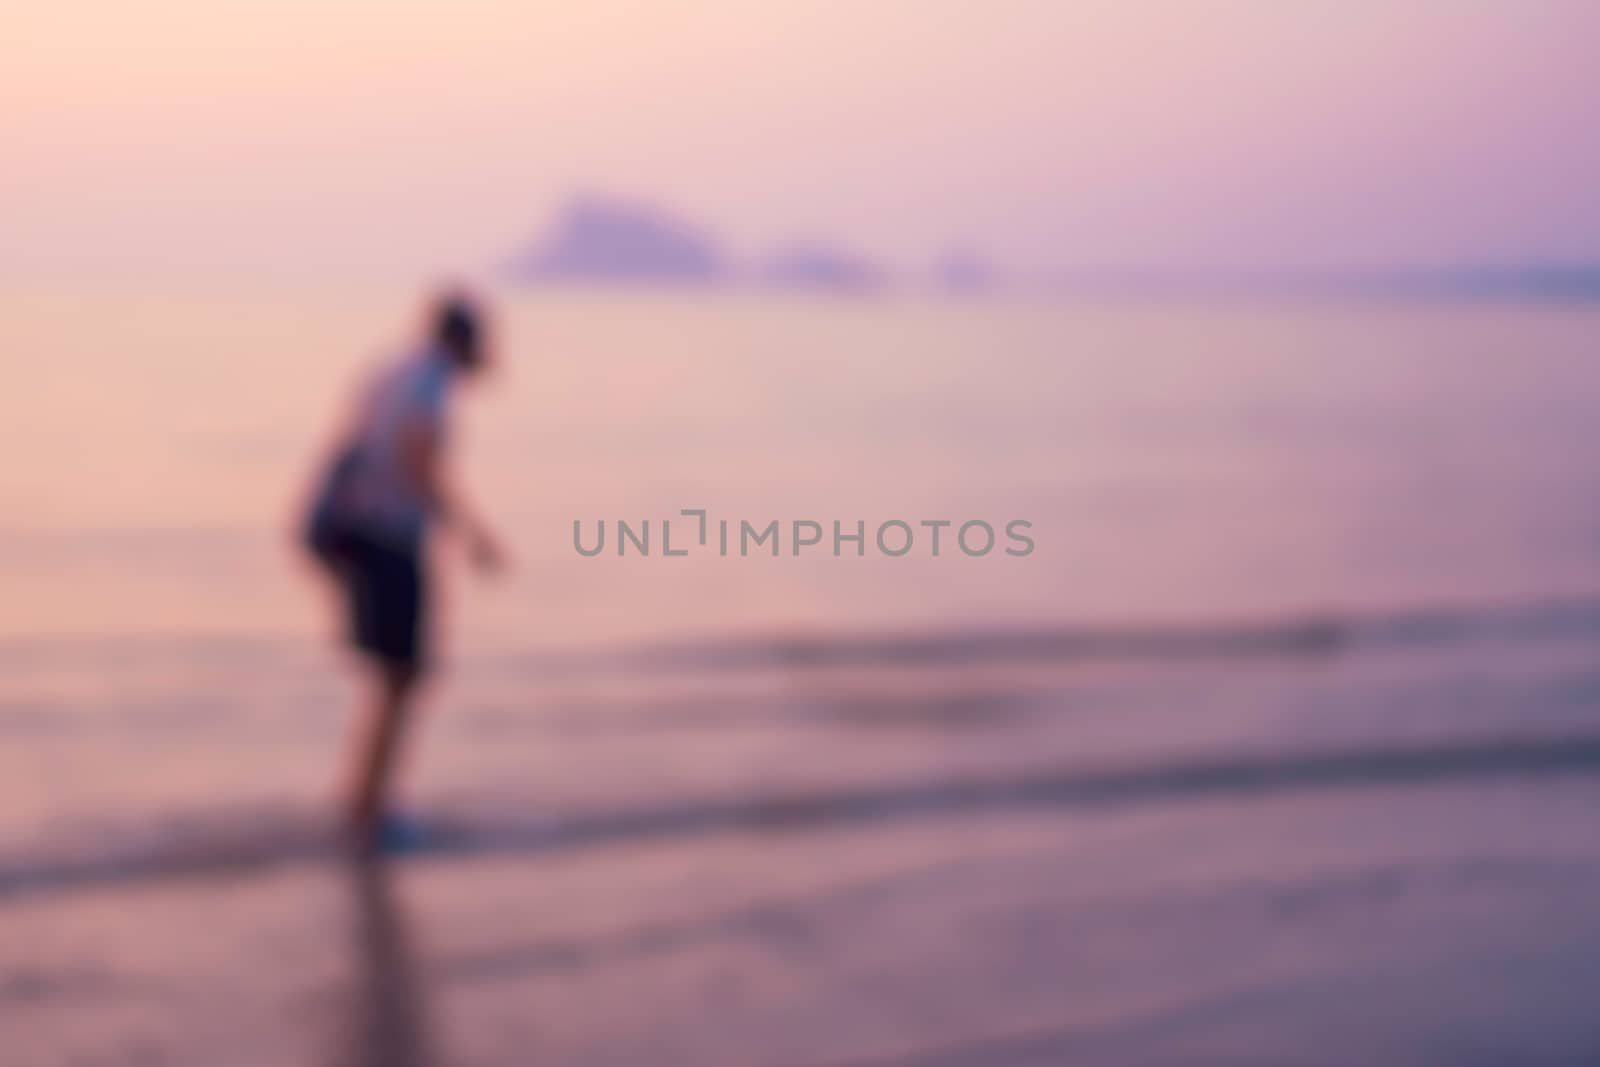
column 374, row 755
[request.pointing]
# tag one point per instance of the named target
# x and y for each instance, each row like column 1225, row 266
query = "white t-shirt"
column 384, row 497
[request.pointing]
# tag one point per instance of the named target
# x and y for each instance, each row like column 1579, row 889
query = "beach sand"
column 1322, row 925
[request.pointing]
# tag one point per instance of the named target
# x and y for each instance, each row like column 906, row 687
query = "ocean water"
column 1302, row 670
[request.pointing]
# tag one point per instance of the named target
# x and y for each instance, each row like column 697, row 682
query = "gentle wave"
column 245, row 844
column 1304, row 636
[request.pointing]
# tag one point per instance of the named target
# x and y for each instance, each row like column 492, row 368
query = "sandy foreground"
column 1437, row 924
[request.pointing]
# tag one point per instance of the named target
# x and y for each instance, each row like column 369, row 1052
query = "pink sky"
column 187, row 136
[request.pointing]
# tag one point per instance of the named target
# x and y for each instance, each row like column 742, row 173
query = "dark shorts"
column 386, row 588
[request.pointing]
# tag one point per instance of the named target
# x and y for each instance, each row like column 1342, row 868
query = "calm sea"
column 1281, row 745
column 1267, row 539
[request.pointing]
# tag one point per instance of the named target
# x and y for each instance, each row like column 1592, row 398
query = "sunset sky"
column 187, row 137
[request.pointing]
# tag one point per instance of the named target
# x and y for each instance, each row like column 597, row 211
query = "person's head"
column 457, row 330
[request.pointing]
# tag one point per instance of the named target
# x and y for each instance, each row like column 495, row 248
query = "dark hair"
column 455, row 327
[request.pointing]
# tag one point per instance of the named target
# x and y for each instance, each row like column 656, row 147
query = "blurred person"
column 379, row 497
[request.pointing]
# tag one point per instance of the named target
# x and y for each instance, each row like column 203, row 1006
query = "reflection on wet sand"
column 387, row 1019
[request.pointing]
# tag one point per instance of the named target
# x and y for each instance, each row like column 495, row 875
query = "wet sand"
column 1422, row 924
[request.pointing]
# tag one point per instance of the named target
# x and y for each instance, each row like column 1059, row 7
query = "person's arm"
column 421, row 452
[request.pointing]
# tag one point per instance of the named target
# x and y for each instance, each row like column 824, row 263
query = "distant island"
column 1556, row 282
column 600, row 240
column 819, row 266
column 596, row 240
column 963, row 270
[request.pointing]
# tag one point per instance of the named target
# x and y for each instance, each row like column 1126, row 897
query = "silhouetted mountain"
column 817, row 266
column 597, row 239
column 962, row 270
column 1575, row 282
column 1563, row 283
column 601, row 240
